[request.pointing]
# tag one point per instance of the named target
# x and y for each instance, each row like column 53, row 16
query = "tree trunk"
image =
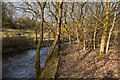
column 77, row 36
column 62, row 34
column 94, row 37
column 69, row 39
column 84, row 39
column 58, row 33
column 102, row 45
column 69, row 35
column 108, row 41
column 37, row 60
column 36, row 35
column 59, row 38
column 95, row 28
column 49, row 38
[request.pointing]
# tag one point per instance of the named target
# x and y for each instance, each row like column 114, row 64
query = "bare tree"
column 102, row 46
column 37, row 60
column 111, row 29
column 34, row 11
column 58, row 33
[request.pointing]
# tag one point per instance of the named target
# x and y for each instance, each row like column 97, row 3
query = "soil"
column 77, row 63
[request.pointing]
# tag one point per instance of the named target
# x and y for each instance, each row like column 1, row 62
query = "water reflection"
column 22, row 65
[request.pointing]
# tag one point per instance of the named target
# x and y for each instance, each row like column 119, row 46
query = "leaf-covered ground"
column 76, row 63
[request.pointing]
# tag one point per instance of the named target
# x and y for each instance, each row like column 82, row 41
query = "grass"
column 22, row 33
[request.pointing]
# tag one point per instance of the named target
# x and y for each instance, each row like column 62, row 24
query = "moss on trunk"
column 49, row 70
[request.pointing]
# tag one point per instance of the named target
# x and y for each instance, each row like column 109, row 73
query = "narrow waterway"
column 22, row 65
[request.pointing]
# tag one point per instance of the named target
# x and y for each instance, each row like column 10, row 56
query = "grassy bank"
column 14, row 40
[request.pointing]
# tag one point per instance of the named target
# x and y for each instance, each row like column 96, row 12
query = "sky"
column 20, row 12
column 59, row 0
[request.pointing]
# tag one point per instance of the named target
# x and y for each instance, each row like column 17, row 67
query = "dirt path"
column 87, row 64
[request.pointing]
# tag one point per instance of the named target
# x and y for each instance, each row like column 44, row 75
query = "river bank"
column 15, row 41
column 77, row 63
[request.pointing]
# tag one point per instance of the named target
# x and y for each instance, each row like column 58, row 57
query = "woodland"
column 81, row 38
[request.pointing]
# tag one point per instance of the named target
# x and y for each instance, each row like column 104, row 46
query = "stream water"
column 22, row 65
